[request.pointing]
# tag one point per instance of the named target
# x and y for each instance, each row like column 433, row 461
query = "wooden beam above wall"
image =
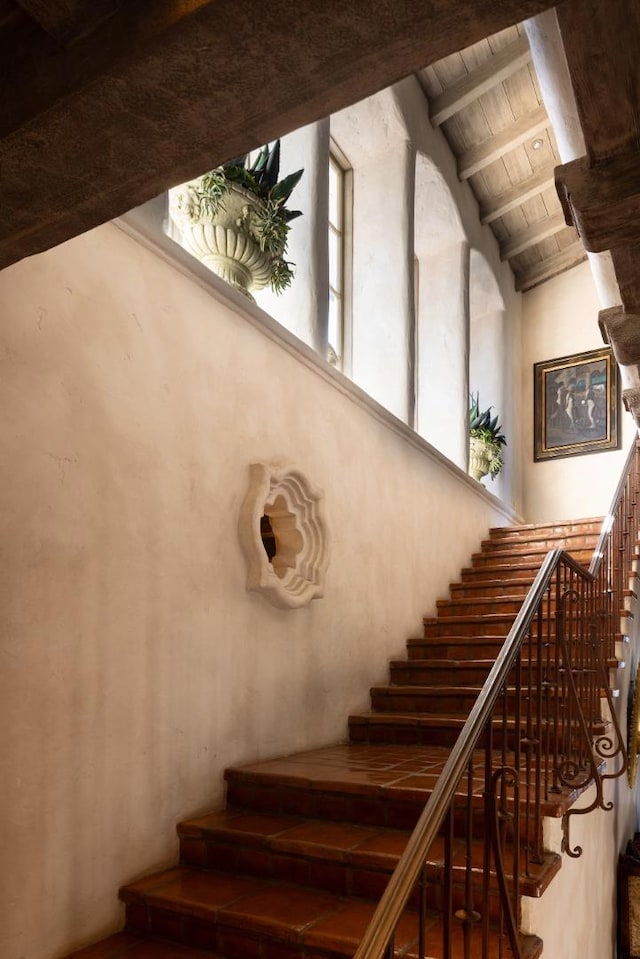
column 601, row 40
column 68, row 20
column 550, row 267
column 488, row 75
column 535, row 233
column 602, row 201
column 515, row 196
column 480, row 156
column 164, row 90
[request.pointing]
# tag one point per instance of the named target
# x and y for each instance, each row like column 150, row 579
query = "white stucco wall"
column 134, row 666
column 559, row 318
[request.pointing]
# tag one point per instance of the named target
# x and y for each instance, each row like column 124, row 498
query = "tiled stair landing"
column 294, row 866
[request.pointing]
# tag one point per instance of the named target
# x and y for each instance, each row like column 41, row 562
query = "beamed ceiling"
column 105, row 104
column 487, row 102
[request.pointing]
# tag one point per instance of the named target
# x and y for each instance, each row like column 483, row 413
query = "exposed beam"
column 626, row 263
column 553, row 265
column 486, row 76
column 164, row 90
column 602, row 201
column 601, row 40
column 68, row 20
column 515, row 196
column 621, row 331
column 491, row 149
column 532, row 235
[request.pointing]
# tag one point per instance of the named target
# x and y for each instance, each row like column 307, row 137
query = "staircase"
column 293, row 867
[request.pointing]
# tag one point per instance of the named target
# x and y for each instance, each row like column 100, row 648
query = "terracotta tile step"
column 423, row 730
column 592, row 524
column 489, row 588
column 518, row 557
column 343, row 858
column 491, row 624
column 388, row 794
column 457, row 647
column 124, row 945
column 448, row 700
column 479, row 606
column 233, row 916
column 440, row 672
column 542, row 541
column 522, row 572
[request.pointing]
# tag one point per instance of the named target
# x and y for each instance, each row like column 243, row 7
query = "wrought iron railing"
column 534, row 739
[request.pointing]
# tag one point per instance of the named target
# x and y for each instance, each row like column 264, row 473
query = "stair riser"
column 568, row 543
column 460, row 591
column 324, row 804
column 477, row 574
column 546, row 530
column 457, row 674
column 416, row 735
column 340, row 878
column 516, row 559
column 448, row 647
column 503, row 607
column 236, row 939
column 436, row 702
column 475, row 628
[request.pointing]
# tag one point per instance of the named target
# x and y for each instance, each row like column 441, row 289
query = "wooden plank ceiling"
column 487, row 102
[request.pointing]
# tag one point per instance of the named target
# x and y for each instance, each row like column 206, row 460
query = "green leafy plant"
column 483, row 426
column 268, row 221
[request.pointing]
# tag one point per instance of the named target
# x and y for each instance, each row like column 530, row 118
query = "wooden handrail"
column 394, row 899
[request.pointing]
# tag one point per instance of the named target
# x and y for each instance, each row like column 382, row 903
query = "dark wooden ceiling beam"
column 602, row 201
column 68, row 20
column 601, row 40
column 162, row 91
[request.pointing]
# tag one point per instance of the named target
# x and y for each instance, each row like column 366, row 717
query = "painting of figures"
column 576, row 402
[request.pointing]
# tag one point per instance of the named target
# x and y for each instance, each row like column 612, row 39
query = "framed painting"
column 576, row 400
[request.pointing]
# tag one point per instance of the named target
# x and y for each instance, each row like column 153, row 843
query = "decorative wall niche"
column 284, row 536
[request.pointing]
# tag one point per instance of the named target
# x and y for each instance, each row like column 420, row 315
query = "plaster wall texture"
column 134, row 665
column 430, row 142
column 576, row 915
column 559, row 318
column 443, row 352
column 383, row 280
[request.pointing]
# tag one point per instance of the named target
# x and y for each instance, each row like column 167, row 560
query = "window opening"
column 339, row 256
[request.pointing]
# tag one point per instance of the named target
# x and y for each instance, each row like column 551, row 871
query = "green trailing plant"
column 483, row 426
column 268, row 221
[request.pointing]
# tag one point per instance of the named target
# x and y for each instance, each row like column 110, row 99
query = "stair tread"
column 526, row 527
column 444, row 663
column 351, row 768
column 370, row 847
column 284, row 913
column 125, row 945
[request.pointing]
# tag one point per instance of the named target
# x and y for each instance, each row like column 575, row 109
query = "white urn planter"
column 480, row 457
column 223, row 240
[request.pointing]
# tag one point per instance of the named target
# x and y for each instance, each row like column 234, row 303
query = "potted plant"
column 486, row 441
column 235, row 220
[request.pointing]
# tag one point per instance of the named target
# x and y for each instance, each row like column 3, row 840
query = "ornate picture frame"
column 576, row 403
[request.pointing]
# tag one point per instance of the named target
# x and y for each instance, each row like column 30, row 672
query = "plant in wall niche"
column 486, row 441
column 235, row 220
